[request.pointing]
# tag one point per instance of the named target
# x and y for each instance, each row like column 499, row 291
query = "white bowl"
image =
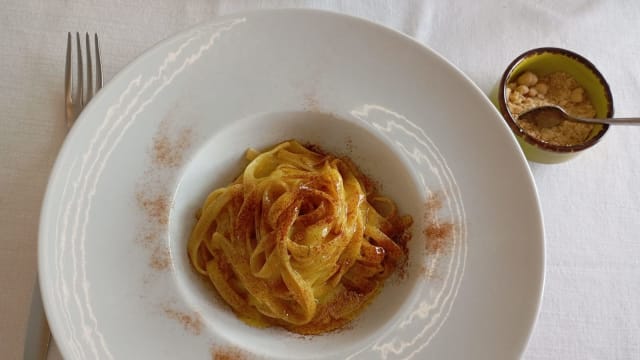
column 174, row 124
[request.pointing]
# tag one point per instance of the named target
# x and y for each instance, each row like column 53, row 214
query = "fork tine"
column 68, row 75
column 89, row 93
column 68, row 79
column 98, row 65
column 80, row 82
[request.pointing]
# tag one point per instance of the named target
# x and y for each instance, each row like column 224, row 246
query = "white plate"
column 175, row 123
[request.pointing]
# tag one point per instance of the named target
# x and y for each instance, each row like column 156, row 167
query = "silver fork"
column 75, row 103
column 36, row 345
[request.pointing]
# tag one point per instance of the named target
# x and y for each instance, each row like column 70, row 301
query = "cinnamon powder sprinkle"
column 438, row 234
column 438, row 237
column 160, row 258
column 169, row 152
column 429, row 273
column 191, row 323
column 156, row 207
column 146, row 239
column 227, row 353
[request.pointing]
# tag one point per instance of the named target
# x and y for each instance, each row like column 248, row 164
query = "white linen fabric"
column 591, row 205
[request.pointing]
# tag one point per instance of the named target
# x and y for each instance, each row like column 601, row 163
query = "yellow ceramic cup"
column 543, row 61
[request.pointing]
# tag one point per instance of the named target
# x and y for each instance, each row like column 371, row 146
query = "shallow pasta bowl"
column 175, row 123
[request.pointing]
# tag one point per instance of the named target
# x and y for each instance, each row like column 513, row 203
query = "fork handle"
column 38, row 334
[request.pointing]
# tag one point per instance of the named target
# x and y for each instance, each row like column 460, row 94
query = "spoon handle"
column 613, row 121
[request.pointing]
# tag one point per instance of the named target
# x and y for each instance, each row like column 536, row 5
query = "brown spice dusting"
column 438, row 234
column 160, row 258
column 433, row 204
column 227, row 353
column 438, row 237
column 146, row 239
column 430, row 274
column 156, row 210
column 191, row 323
column 155, row 207
column 168, row 152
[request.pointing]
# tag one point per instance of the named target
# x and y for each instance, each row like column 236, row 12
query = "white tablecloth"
column 591, row 205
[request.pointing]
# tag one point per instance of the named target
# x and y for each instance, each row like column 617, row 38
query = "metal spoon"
column 550, row 116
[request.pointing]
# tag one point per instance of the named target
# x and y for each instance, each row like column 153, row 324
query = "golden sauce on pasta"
column 300, row 240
